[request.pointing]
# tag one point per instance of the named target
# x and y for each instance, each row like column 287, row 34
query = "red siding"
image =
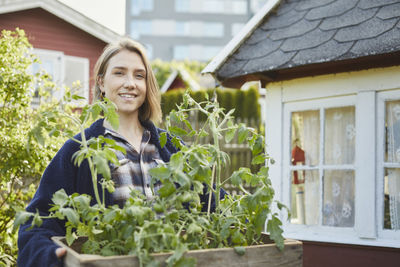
column 47, row 31
column 340, row 255
column 178, row 83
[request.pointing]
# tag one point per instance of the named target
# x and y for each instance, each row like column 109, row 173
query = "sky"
column 110, row 13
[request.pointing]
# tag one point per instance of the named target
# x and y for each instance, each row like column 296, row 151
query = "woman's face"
column 124, row 82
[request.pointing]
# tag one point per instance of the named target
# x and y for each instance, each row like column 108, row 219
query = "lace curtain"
column 393, row 156
column 306, row 135
column 339, row 149
column 338, row 209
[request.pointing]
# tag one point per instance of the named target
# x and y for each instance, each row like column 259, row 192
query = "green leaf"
column 111, row 115
column 21, row 217
column 102, row 166
column 186, row 262
column 70, row 236
column 275, row 231
column 175, row 130
column 95, row 111
column 166, row 190
column 242, row 133
column 176, row 161
column 96, row 231
column 176, row 142
column 259, row 159
column 37, row 221
column 230, row 134
column 163, row 139
column 71, row 215
column 60, row 198
column 110, row 216
column 160, row 172
column 235, row 178
column 240, row 250
column 194, row 228
column 258, row 145
column 77, row 97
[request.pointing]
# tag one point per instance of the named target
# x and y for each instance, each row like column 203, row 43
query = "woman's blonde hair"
column 151, row 108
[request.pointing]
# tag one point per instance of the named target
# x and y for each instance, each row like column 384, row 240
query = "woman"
column 122, row 74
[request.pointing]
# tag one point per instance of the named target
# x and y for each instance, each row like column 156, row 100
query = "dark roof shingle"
column 302, row 32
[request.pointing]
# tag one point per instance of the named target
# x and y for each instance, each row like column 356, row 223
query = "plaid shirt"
column 133, row 172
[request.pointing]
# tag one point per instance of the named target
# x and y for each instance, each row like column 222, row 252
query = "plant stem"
column 218, row 165
column 210, row 192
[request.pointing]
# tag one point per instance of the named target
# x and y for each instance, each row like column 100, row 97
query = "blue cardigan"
column 35, row 246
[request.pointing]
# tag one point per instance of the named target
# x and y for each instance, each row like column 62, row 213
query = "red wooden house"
column 67, row 42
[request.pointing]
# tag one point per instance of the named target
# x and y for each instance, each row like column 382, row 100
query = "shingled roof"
column 300, row 33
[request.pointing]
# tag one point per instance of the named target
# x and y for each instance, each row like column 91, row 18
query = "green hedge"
column 245, row 102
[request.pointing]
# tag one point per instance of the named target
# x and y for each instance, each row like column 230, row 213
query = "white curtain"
column 339, row 149
column 393, row 156
column 340, row 135
column 306, row 131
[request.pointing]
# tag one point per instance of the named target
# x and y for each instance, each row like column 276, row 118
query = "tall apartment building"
column 187, row 29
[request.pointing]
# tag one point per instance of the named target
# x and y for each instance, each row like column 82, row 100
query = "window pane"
column 213, row 29
column 305, row 197
column 338, row 209
column 392, row 199
column 77, row 69
column 340, row 135
column 305, row 138
column 392, row 131
column 213, row 6
column 182, row 5
column 181, row 52
column 239, row 7
column 137, row 6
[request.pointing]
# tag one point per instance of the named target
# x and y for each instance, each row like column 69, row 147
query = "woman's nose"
column 130, row 82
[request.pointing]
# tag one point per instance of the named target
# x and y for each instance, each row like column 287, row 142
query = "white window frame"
column 57, row 58
column 392, row 95
column 59, row 61
column 367, row 90
column 85, row 84
column 321, row 105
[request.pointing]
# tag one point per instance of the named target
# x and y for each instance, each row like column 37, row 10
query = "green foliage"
column 173, row 221
column 162, row 69
column 245, row 103
column 25, row 150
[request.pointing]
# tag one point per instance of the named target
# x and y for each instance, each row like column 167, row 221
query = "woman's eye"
column 139, row 76
column 118, row 73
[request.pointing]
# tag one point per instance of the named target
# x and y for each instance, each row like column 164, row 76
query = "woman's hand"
column 60, row 252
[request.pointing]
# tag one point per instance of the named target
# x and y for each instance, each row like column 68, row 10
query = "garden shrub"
column 22, row 158
column 245, row 102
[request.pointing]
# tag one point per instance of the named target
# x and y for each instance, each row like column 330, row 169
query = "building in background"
column 67, row 42
column 187, row 29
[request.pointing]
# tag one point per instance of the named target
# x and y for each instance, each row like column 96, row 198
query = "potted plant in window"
column 173, row 228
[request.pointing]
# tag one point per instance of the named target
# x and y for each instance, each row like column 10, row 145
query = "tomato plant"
column 175, row 219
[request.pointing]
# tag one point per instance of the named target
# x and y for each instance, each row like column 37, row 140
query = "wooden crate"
column 267, row 255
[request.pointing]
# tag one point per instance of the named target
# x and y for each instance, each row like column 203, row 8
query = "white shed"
column 331, row 69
